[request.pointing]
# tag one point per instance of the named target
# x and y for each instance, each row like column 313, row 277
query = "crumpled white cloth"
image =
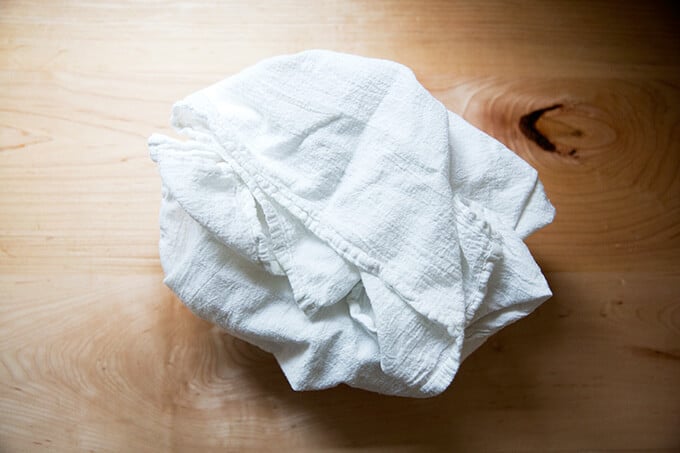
column 326, row 208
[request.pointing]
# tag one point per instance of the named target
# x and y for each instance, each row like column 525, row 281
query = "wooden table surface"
column 97, row 355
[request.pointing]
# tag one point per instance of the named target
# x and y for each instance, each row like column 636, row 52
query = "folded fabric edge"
column 446, row 370
column 191, row 158
column 484, row 328
column 516, row 289
column 537, row 213
column 413, row 348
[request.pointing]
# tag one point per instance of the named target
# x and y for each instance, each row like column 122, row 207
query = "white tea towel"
column 328, row 209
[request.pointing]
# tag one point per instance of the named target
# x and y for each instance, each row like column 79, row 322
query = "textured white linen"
column 326, row 208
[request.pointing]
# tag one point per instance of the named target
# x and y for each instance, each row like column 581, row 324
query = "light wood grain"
column 97, row 355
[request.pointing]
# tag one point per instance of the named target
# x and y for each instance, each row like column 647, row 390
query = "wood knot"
column 527, row 124
column 571, row 130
